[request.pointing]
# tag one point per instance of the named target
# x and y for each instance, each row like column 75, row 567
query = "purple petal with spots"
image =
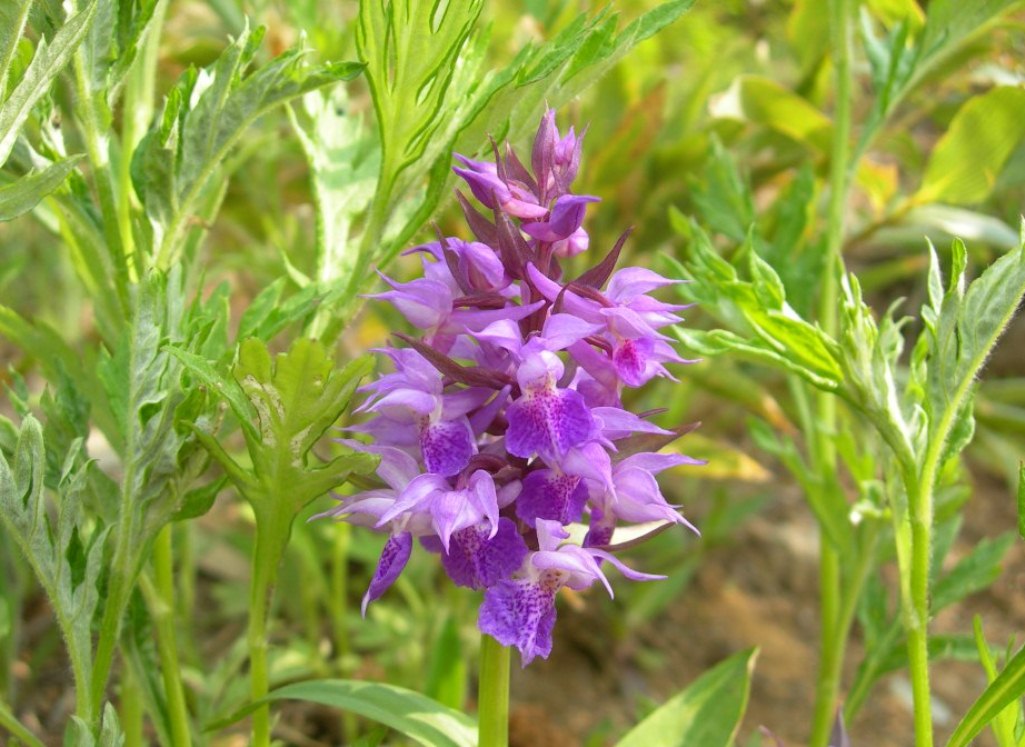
column 477, row 562
column 522, row 614
column 547, row 422
column 548, row 495
column 394, row 557
column 631, row 361
column 447, row 446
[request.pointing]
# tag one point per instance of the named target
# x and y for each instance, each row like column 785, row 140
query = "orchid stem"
column 493, row 694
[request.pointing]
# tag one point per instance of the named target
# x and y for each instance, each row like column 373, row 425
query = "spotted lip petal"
column 478, row 561
column 547, row 494
column 547, row 422
column 520, row 613
column 447, row 446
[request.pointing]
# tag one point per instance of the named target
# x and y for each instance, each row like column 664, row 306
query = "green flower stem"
column 119, row 588
column 833, row 642
column 272, row 532
column 131, row 714
column 338, row 606
column 162, row 608
column 834, row 630
column 915, row 596
column 493, row 694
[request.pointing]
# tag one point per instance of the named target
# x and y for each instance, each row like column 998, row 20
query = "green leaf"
column 1003, row 724
column 204, row 116
column 410, row 52
column 763, row 101
column 25, row 192
column 48, row 61
column 13, row 17
column 968, row 159
column 65, row 555
column 226, row 389
column 479, row 103
column 1008, row 686
column 112, row 45
column 974, row 572
column 706, row 714
column 961, row 330
column 765, row 325
column 412, row 714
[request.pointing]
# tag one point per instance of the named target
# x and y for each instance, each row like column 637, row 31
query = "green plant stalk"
column 122, row 576
column 493, row 693
column 834, row 630
column 131, row 711
column 272, row 530
column 162, row 608
column 338, row 605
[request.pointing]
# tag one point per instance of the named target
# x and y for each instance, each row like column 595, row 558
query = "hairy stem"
column 162, row 608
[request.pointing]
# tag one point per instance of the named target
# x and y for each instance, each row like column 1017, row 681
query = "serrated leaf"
column 706, row 714
column 767, row 328
column 112, row 45
column 962, row 332
column 298, row 395
column 966, row 162
column 410, row 52
column 204, row 116
column 974, row 572
column 25, row 192
column 416, row 716
column 47, row 63
column 226, row 389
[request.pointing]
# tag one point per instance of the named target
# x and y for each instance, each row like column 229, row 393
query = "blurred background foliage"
column 724, row 115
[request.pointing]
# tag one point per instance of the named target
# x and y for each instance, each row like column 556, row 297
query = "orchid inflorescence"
column 503, row 425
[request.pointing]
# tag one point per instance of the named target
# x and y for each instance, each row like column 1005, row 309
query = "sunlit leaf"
column 416, row 716
column 763, row 101
column 706, row 714
column 1008, row 686
column 968, row 159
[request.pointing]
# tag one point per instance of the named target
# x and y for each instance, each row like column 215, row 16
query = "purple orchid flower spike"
column 503, row 421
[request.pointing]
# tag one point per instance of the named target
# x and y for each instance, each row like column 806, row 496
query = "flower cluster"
column 502, row 425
